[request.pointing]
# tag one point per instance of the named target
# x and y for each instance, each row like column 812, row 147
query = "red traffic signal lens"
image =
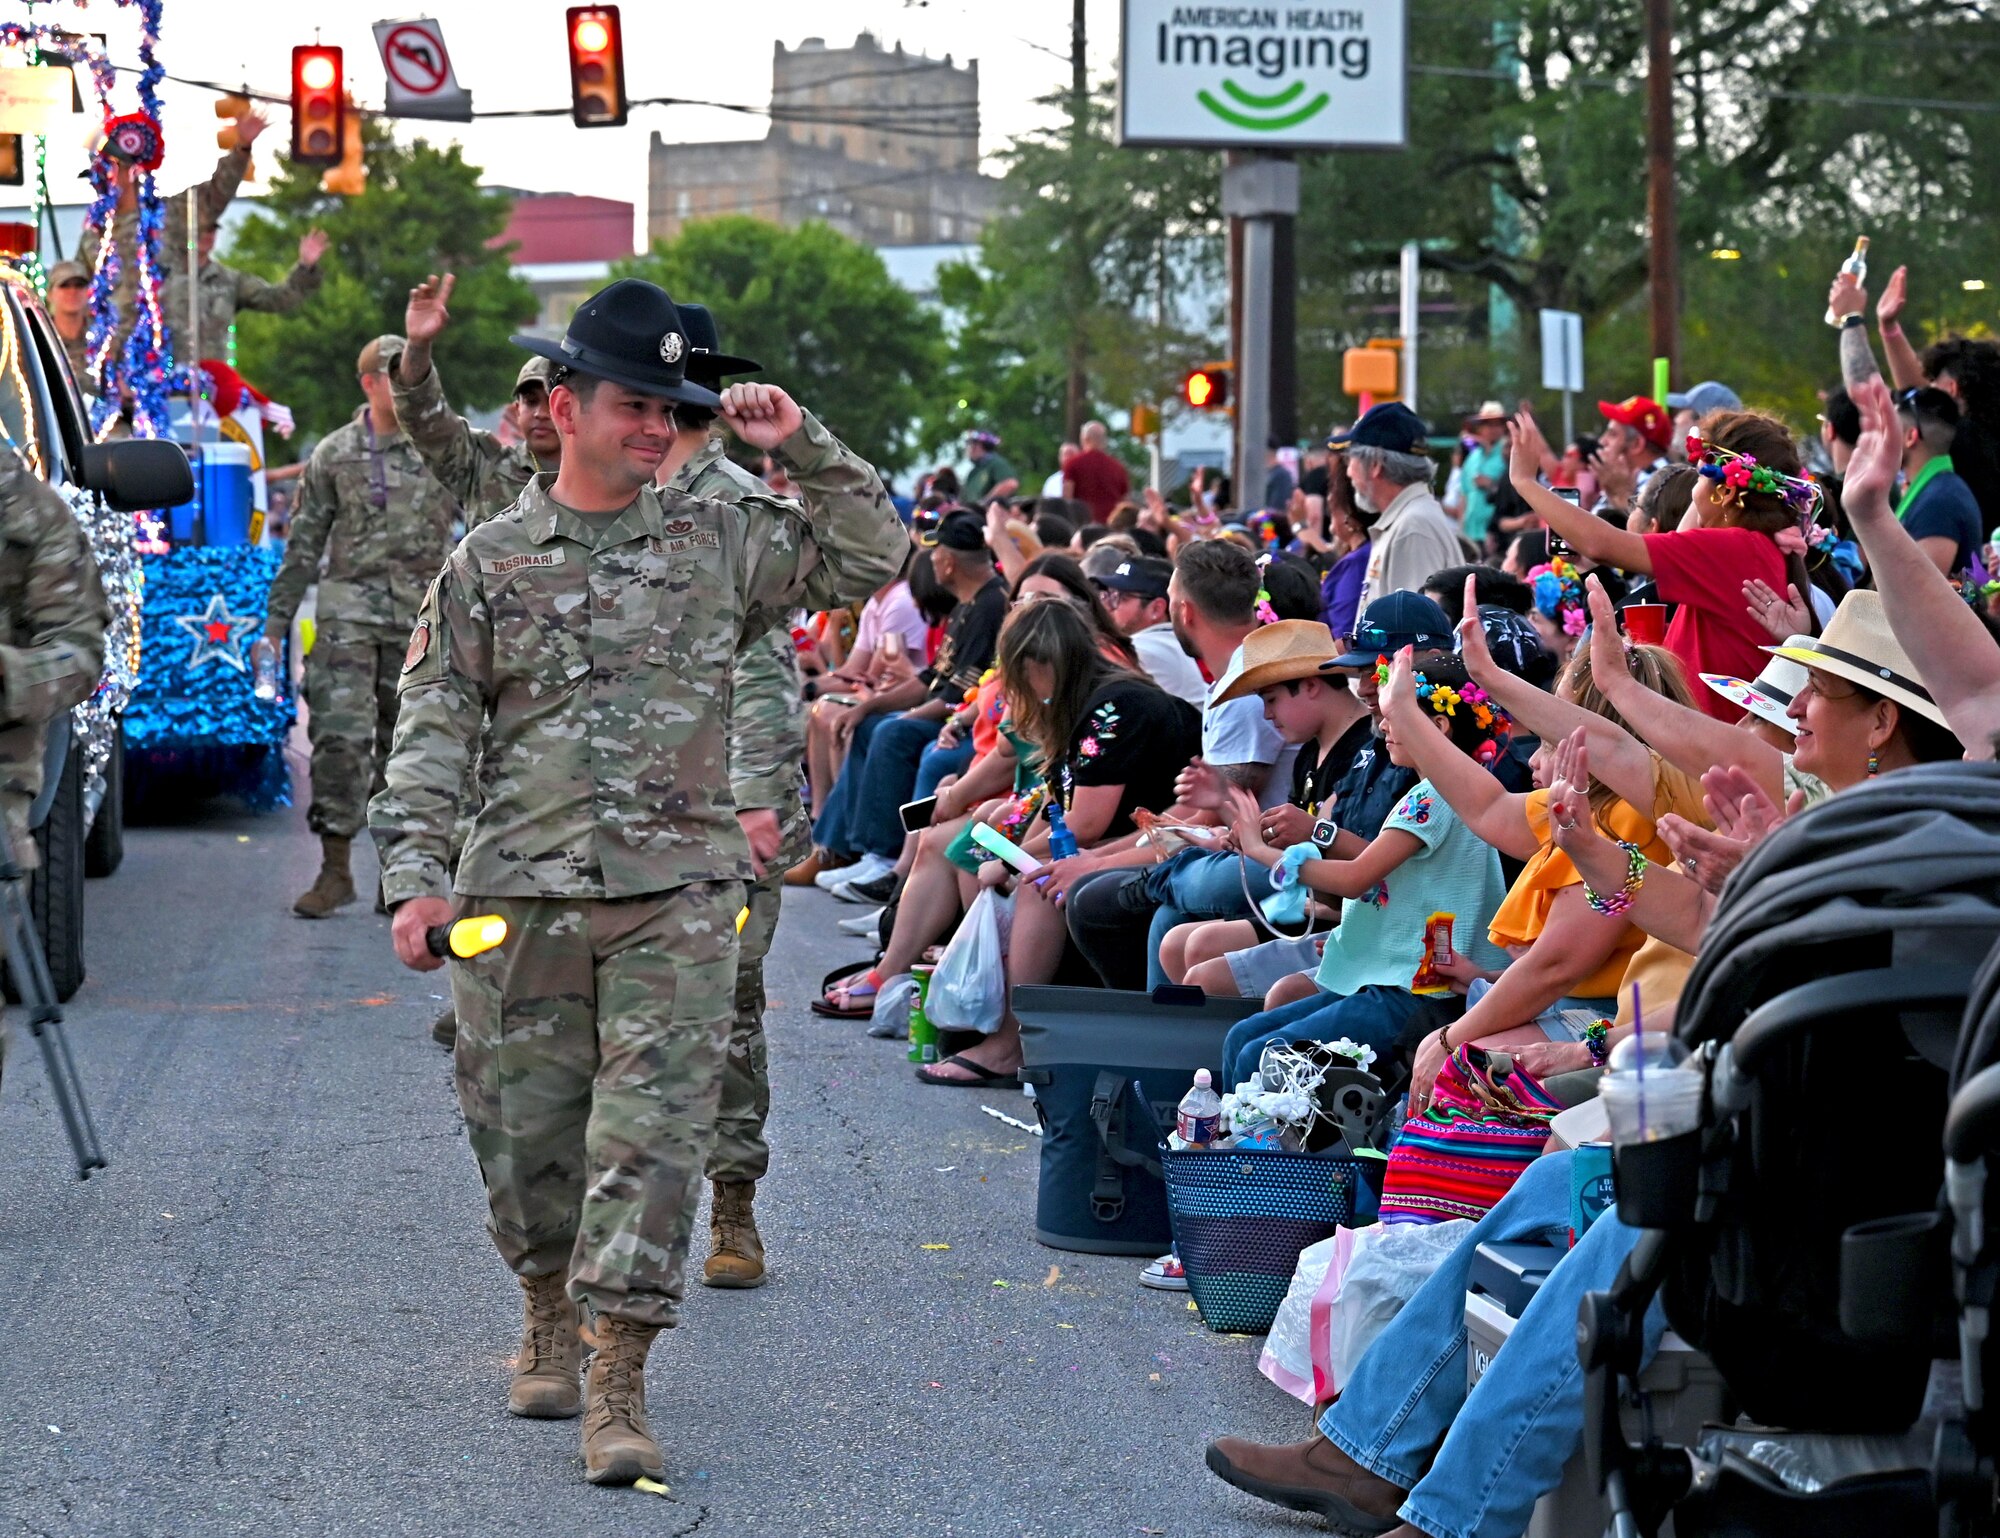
column 592, row 36
column 317, row 72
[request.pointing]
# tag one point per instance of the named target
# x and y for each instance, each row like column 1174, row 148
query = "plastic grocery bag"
column 891, row 1014
column 969, row 988
column 1390, row 1262
column 1287, row 1357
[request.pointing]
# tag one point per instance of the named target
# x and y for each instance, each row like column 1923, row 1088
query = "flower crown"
column 1266, row 615
column 1741, row 472
column 1558, row 589
column 1445, row 699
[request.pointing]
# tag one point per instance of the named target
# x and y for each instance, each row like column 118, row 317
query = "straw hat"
column 1489, row 411
column 1859, row 647
column 1276, row 654
column 1770, row 694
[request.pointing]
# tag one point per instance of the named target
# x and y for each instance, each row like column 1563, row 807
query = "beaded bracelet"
column 1620, row 900
column 1596, row 1036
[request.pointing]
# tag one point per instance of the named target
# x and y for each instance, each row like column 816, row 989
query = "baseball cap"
column 534, row 371
column 1645, row 414
column 64, row 271
column 1392, row 622
column 1141, row 574
column 1391, row 425
column 1709, row 395
column 959, row 529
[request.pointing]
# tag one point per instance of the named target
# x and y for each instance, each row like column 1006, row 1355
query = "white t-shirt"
column 1237, row 733
column 1170, row 667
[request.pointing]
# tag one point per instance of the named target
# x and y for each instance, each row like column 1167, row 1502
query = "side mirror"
column 139, row 474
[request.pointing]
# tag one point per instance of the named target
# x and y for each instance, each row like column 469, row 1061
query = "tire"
column 104, row 850
column 55, row 895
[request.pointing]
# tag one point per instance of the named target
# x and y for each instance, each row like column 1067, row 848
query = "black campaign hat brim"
column 666, row 383
column 713, row 365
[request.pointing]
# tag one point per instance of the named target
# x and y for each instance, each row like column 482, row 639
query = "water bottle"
column 1062, row 842
column 264, row 662
column 1199, row 1120
column 1856, row 264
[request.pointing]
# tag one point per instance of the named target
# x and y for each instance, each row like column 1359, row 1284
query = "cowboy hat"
column 1771, row 692
column 1858, row 645
column 1276, row 654
column 1489, row 411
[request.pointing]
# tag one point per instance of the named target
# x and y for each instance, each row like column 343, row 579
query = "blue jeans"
column 1493, row 1452
column 874, row 823
column 938, row 762
column 1196, row 884
column 831, row 831
column 1382, row 1018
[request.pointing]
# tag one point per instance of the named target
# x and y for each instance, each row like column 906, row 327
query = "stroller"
column 1800, row 1236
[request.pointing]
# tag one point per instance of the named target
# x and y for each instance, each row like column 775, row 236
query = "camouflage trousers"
column 589, row 1065
column 740, row 1152
column 351, row 694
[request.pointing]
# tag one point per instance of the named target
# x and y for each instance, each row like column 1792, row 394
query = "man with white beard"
column 1410, row 535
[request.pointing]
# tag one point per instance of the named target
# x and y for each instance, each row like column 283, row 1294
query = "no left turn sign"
column 421, row 82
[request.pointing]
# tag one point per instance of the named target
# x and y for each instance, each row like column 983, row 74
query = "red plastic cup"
column 1646, row 623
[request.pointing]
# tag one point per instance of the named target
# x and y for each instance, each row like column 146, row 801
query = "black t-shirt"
column 1313, row 483
column 1976, row 458
column 970, row 636
column 1314, row 780
column 1133, row 734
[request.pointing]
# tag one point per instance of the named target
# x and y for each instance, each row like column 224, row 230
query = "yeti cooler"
column 1083, row 1049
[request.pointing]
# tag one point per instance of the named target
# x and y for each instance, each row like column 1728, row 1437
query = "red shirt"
column 1703, row 570
column 1095, row 478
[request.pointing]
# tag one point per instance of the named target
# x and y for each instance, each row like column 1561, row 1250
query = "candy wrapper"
column 1437, row 952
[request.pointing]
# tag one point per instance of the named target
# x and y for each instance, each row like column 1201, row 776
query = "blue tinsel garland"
column 204, row 719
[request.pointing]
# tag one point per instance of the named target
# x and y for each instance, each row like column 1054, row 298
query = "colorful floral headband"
column 1741, row 472
column 1559, row 595
column 1266, row 615
column 1446, row 700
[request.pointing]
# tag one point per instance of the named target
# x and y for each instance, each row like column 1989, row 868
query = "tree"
column 821, row 314
column 424, row 212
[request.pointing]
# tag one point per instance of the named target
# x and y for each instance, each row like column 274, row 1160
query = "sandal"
column 985, row 1076
column 850, row 999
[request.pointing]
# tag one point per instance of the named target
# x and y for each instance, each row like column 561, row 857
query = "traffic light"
column 1207, row 388
column 349, row 179
column 319, row 111
column 596, row 67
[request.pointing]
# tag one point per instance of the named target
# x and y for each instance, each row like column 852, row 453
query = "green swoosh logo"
column 1291, row 119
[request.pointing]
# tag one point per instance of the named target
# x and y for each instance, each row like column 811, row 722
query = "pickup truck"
column 78, row 820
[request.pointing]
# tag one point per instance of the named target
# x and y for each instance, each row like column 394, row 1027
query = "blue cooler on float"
column 220, row 512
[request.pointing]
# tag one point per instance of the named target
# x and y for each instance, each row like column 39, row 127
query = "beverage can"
column 1592, row 1192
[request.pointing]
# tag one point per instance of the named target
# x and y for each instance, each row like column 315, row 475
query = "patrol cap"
column 534, row 371
column 707, row 362
column 1141, row 574
column 632, row 335
column 380, row 355
column 67, row 272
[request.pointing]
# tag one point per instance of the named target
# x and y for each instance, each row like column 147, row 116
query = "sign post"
column 1562, row 361
column 421, row 80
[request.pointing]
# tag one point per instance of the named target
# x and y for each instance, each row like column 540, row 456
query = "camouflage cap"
column 63, row 271
column 380, row 355
column 534, row 371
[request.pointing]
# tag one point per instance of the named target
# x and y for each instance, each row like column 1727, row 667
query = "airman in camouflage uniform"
column 52, row 621
column 586, row 654
column 224, row 292
column 383, row 526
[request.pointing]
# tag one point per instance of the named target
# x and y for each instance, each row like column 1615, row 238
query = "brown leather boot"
column 334, row 887
column 735, row 1249
column 1311, row 1476
column 802, row 873
column 444, row 1029
column 617, row 1446
column 545, row 1387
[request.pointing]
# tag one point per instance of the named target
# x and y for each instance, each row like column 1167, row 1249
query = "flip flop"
column 928, row 1073
column 842, row 980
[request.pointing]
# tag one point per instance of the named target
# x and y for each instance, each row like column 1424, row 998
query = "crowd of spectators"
column 1553, row 695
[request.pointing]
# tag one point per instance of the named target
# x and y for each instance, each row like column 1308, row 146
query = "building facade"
column 879, row 143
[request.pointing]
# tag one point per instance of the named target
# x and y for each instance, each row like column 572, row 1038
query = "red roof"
column 561, row 227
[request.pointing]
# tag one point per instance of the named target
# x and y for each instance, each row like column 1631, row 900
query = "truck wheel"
column 104, row 850
column 56, row 894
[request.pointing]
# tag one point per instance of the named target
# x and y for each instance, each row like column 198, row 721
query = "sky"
column 511, row 54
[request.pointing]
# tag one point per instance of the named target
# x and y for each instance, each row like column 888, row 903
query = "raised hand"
column 1895, row 294
column 762, row 415
column 1878, row 452
column 427, row 314
column 1472, row 648
column 1783, row 617
column 1529, row 448
column 1846, row 296
column 312, row 246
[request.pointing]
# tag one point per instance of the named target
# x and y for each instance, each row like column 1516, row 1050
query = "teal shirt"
column 1380, row 941
column 1491, row 463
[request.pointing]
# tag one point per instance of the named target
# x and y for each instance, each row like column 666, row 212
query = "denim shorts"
column 1563, row 1020
column 1260, row 968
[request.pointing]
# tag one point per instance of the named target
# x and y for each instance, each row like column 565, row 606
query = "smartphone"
column 1558, row 546
column 917, row 815
column 1569, row 494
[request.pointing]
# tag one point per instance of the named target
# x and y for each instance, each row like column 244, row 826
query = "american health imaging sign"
column 1292, row 76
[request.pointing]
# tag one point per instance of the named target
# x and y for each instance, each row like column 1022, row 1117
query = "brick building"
column 881, row 144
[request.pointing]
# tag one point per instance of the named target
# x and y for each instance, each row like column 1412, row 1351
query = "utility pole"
column 1076, row 391
column 1660, row 215
column 1259, row 190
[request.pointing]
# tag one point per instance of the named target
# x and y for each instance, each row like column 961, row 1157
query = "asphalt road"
column 278, row 1311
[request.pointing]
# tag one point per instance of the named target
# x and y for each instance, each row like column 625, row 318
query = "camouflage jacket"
column 224, row 292
column 590, row 672
column 211, row 198
column 383, row 525
column 52, row 621
column 767, row 708
column 484, row 474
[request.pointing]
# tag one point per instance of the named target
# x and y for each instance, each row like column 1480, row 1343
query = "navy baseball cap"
column 1392, row 622
column 1141, row 574
column 1391, row 425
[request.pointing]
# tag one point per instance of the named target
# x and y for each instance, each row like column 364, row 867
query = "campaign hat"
column 707, row 362
column 632, row 335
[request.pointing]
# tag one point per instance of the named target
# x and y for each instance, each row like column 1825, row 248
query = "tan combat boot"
column 334, row 887
column 617, row 1447
column 545, row 1387
column 735, row 1249
column 444, row 1029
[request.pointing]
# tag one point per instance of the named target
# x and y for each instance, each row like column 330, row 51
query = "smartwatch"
column 1325, row 832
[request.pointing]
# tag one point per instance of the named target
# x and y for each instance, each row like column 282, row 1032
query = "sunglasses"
column 74, row 283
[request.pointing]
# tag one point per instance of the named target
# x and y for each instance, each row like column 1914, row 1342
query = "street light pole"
column 1660, row 213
